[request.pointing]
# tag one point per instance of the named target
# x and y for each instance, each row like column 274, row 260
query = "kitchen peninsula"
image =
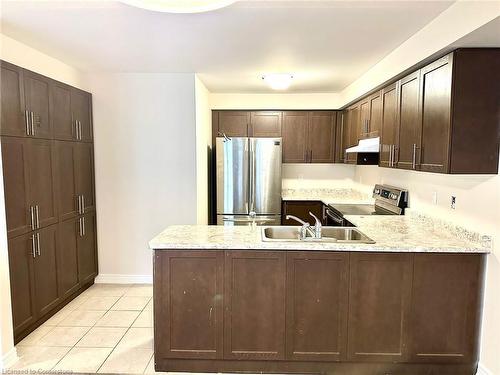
column 226, row 301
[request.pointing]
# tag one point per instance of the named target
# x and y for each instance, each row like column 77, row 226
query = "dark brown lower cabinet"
column 87, row 248
column 317, row 312
column 379, row 299
column 316, row 315
column 254, row 305
column 68, row 257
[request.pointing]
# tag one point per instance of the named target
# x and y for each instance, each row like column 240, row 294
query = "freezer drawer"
column 231, row 220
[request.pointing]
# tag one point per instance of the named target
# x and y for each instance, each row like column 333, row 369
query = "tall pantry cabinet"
column 48, row 172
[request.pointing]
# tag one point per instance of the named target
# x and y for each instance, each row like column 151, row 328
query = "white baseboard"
column 481, row 370
column 8, row 359
column 110, row 278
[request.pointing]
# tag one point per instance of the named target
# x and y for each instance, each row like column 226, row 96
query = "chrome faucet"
column 314, row 232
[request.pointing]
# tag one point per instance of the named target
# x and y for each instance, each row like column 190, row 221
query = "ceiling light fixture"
column 278, row 81
column 179, row 6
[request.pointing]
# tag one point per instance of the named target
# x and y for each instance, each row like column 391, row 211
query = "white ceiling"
column 325, row 44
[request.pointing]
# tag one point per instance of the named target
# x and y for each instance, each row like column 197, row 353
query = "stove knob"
column 394, row 196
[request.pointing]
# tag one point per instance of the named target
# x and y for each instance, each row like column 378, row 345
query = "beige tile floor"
column 107, row 329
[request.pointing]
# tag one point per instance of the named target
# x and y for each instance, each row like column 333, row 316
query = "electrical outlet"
column 434, row 197
column 453, row 202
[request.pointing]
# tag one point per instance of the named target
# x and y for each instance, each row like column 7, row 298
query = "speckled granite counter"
column 412, row 233
column 327, row 196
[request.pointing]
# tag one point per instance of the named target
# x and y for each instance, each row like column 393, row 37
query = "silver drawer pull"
column 38, row 243
column 32, row 213
column 33, row 246
column 37, row 211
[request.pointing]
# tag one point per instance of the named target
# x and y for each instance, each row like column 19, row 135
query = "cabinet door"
column 317, row 292
column 266, row 124
column 36, row 94
column 254, row 313
column 375, row 116
column 301, row 210
column 321, row 137
column 410, row 122
column 379, row 298
column 22, row 283
column 67, row 192
column 16, row 185
column 353, row 117
column 13, row 118
column 364, row 118
column 84, row 171
column 339, row 137
column 188, row 304
column 295, row 131
column 67, row 257
column 446, row 308
column 233, row 123
column 436, row 110
column 87, row 248
column 60, row 111
column 390, row 126
column 81, row 106
column 42, row 181
column 45, row 270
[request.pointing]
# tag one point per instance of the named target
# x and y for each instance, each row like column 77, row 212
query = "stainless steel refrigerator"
column 248, row 181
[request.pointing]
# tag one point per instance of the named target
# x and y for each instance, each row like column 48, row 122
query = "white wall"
column 145, row 165
column 29, row 58
column 317, row 176
column 275, row 101
column 203, row 142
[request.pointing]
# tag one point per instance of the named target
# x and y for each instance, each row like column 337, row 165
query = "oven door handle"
column 334, row 217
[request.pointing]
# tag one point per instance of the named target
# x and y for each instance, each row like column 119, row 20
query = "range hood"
column 369, row 145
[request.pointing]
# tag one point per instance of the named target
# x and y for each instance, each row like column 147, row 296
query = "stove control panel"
column 390, row 194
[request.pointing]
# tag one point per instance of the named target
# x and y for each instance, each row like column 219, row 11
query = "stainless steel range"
column 389, row 200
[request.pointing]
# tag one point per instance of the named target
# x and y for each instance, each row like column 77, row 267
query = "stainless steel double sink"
column 328, row 234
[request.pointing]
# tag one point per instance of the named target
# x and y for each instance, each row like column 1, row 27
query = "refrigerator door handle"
column 251, row 173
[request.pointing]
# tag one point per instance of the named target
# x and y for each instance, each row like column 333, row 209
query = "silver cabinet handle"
column 26, row 121
column 80, row 130
column 37, row 211
column 390, row 155
column 80, row 224
column 33, row 250
column 414, row 157
column 38, row 243
column 83, row 204
column 78, row 127
column 32, row 123
column 393, row 155
column 78, row 208
column 83, row 225
column 32, row 213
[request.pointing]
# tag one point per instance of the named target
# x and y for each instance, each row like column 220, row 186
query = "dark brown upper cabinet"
column 61, row 113
column 410, row 122
column 339, row 137
column 13, row 120
column 295, row 132
column 389, row 140
column 251, row 279
column 351, row 132
column 316, row 315
column 309, row 136
column 321, row 137
column 231, row 123
column 192, row 307
column 265, row 124
column 370, row 116
column 36, row 98
column 81, row 108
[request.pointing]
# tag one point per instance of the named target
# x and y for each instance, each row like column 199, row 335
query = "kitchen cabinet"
column 379, row 299
column 22, row 283
column 295, row 132
column 81, row 108
column 231, row 123
column 321, row 137
column 254, row 300
column 410, row 122
column 13, row 118
column 36, row 97
column 45, row 270
column 445, row 308
column 61, row 115
column 29, row 182
column 87, row 248
column 301, row 210
column 191, row 288
column 339, row 137
column 67, row 257
column 389, row 140
column 265, row 124
column 351, row 137
column 316, row 315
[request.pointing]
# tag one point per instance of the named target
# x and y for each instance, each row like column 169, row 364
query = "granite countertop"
column 327, row 196
column 409, row 233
